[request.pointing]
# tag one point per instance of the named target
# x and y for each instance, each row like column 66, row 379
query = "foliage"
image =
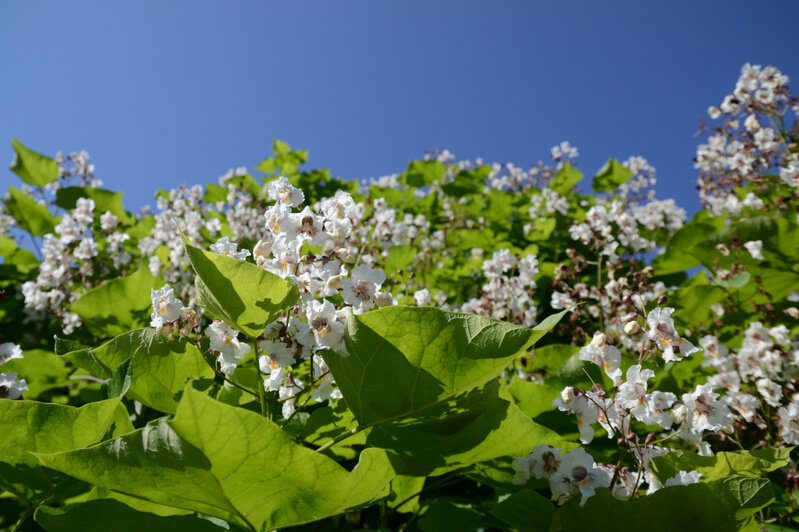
column 459, row 345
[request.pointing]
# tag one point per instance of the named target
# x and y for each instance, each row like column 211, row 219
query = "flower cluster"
column 752, row 139
column 10, row 387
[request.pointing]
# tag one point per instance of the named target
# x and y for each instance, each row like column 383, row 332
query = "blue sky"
column 165, row 93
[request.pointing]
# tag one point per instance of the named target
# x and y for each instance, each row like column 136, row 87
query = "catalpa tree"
column 459, row 346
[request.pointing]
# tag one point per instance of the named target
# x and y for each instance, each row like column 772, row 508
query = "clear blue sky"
column 164, row 93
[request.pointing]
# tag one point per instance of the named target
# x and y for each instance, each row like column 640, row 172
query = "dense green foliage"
column 405, row 346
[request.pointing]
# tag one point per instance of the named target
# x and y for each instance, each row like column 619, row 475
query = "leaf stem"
column 265, row 411
column 340, row 437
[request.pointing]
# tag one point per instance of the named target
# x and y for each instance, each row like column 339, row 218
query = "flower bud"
column 598, row 340
column 638, row 301
column 383, row 299
column 165, row 329
column 334, row 282
column 679, row 414
column 345, row 255
column 631, row 328
column 793, row 312
column 629, row 317
column 567, row 395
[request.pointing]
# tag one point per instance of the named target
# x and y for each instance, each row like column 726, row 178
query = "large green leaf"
column 611, row 175
column 34, row 168
column 108, row 515
column 29, row 426
column 745, row 463
column 118, row 305
column 525, row 510
column 160, row 367
column 404, row 359
column 42, row 370
column 473, row 427
column 565, row 179
column 238, row 292
column 104, row 200
column 17, row 262
column 229, row 463
column 721, row 505
column 31, row 216
column 423, row 173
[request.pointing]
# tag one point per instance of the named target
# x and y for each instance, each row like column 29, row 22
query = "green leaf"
column 403, row 489
column 725, row 504
column 565, row 179
column 102, row 515
column 724, row 464
column 424, row 356
column 44, row 427
column 118, row 305
column 611, row 175
column 229, row 463
column 17, row 262
column 541, row 229
column 104, row 200
column 737, row 281
column 62, row 346
column 161, row 366
column 32, row 216
column 240, row 293
column 34, row 168
column 473, row 427
column 400, row 257
column 525, row 510
column 445, row 514
column 534, row 398
column 41, row 369
column 120, row 380
column 424, row 173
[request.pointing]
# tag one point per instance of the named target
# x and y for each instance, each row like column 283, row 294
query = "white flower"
column 86, row 249
column 586, row 413
column 755, row 247
column 663, row 333
column 704, row 410
column 166, row 307
column 284, row 192
column 578, row 474
column 224, row 246
column 770, row 390
column 362, row 285
column 607, row 357
column 328, row 331
column 10, row 387
column 789, row 421
column 9, row 351
column 632, row 393
column 108, row 221
column 224, row 339
column 422, row 297
column 683, row 479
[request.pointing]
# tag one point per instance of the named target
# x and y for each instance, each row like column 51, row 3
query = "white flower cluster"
column 69, row 259
column 764, row 368
column 607, row 227
column 576, row 473
column 748, row 146
column 696, row 412
column 315, row 249
column 508, row 293
column 10, row 387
